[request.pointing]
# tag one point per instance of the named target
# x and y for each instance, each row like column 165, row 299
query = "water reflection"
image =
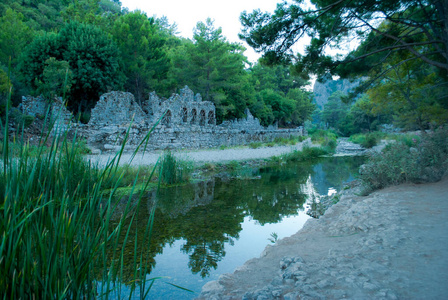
column 207, row 217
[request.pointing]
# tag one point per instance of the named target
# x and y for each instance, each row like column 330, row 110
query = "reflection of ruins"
column 182, row 121
column 178, row 200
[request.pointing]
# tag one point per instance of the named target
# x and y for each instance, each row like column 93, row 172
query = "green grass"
column 307, row 153
column 326, row 138
column 173, row 170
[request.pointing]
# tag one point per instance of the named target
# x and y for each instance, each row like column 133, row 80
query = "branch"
column 408, row 46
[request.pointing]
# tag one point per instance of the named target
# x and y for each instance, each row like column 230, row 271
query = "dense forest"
column 82, row 49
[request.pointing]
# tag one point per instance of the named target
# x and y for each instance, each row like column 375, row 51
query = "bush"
column 425, row 161
column 368, row 140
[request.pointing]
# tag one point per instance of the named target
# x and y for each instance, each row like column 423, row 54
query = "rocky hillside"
column 323, row 90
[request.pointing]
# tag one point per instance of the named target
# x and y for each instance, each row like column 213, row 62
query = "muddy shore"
column 392, row 244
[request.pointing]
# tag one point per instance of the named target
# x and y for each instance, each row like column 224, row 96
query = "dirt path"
column 392, row 244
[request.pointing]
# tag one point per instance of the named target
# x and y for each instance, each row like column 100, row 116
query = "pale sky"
column 186, row 13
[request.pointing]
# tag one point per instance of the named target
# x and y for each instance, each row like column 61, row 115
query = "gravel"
column 202, row 156
column 392, row 244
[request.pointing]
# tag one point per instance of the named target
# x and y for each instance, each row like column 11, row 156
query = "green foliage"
column 368, row 140
column 307, row 153
column 57, row 79
column 279, row 97
column 172, row 170
column 92, row 56
column 20, row 120
column 425, row 161
column 255, row 145
column 144, row 57
column 14, row 36
column 415, row 96
column 414, row 27
column 326, row 138
column 334, row 110
column 5, row 90
column 213, row 67
column 56, row 225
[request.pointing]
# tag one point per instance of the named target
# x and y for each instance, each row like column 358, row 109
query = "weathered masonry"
column 182, row 121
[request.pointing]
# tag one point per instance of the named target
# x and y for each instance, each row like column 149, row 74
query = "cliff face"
column 323, row 90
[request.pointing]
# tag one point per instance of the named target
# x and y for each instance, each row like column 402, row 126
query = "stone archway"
column 211, row 118
column 202, row 118
column 184, row 115
column 167, row 118
column 193, row 116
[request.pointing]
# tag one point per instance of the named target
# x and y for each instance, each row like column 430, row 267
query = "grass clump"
column 173, row 170
column 255, row 145
column 58, row 239
column 326, row 138
column 307, row 153
column 368, row 140
column 426, row 160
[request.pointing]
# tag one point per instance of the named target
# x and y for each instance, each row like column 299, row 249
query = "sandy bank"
column 392, row 244
column 202, row 156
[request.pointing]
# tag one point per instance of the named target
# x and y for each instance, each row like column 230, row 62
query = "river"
column 205, row 229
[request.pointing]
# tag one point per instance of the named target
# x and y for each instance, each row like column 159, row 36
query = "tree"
column 14, row 35
column 334, row 110
column 419, row 28
column 280, row 78
column 57, row 79
column 304, row 107
column 412, row 94
column 92, row 55
column 145, row 62
column 214, row 68
column 279, row 97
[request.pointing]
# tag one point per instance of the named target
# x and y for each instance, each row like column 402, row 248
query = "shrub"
column 368, row 140
column 426, row 161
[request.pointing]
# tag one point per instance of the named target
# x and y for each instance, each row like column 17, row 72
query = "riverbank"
column 203, row 156
column 392, row 244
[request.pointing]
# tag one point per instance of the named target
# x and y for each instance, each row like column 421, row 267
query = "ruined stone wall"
column 185, row 110
column 211, row 137
column 117, row 108
column 60, row 117
column 183, row 121
column 34, row 106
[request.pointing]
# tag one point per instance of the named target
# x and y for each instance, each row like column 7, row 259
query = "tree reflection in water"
column 208, row 215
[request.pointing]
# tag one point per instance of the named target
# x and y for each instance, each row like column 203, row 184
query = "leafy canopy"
column 93, row 58
column 417, row 27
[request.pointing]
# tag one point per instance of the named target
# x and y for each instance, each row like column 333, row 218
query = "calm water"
column 206, row 229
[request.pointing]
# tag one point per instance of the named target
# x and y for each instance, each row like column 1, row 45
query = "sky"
column 186, row 13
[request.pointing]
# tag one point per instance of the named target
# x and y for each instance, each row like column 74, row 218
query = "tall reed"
column 57, row 238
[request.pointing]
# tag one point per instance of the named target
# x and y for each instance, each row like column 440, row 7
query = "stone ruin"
column 182, row 121
column 56, row 112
